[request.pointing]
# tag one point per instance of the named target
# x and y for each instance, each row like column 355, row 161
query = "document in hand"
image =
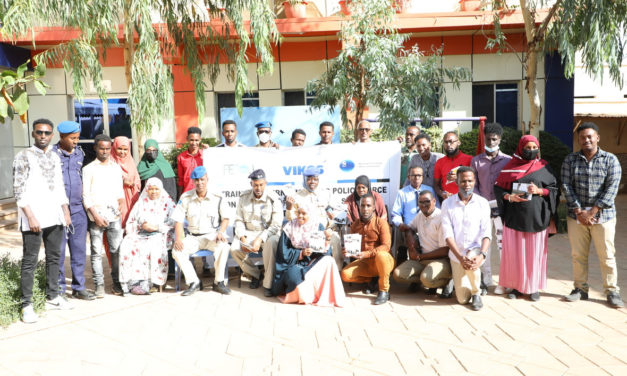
column 317, row 242
column 521, row 188
column 352, row 244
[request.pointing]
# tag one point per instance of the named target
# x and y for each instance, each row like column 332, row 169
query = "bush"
column 553, row 150
column 171, row 154
column 10, row 296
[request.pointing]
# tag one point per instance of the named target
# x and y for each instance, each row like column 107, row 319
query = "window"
column 294, row 98
column 90, row 115
column 309, row 97
column 228, row 100
column 498, row 102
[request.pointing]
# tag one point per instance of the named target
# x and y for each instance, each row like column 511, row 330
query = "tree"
column 150, row 31
column 595, row 28
column 12, row 88
column 375, row 68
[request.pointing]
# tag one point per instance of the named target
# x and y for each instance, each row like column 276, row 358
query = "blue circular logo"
column 347, row 165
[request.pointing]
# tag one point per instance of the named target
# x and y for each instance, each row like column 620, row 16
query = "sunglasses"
column 415, row 176
column 45, row 133
column 364, row 129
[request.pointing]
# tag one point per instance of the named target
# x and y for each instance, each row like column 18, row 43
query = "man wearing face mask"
column 466, row 227
column 264, row 133
column 323, row 203
column 488, row 166
column 444, row 172
column 375, row 259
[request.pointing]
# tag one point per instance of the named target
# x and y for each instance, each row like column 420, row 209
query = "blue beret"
column 257, row 174
column 263, row 124
column 312, row 171
column 68, row 127
column 199, row 172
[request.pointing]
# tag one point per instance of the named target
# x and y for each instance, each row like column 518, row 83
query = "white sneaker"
column 59, row 303
column 28, row 314
column 499, row 290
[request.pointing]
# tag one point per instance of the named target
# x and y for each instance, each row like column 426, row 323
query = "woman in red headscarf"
column 527, row 195
column 121, row 154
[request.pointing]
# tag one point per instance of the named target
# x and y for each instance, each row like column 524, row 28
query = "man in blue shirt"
column 406, row 207
column 590, row 179
column 72, row 157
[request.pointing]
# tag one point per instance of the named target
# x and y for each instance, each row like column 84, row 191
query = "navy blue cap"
column 263, row 124
column 257, row 174
column 68, row 127
column 199, row 172
column 312, row 171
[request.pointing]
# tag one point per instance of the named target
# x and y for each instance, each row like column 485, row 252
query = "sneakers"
column 576, row 295
column 58, row 303
column 99, row 292
column 499, row 290
column 28, row 315
column 221, row 288
column 476, row 303
column 614, row 300
column 83, row 295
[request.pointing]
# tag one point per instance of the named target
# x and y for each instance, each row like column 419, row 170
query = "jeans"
column 32, row 242
column 114, row 238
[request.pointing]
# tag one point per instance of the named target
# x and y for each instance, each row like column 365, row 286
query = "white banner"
column 228, row 168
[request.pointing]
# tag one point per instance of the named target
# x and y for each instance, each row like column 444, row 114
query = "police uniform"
column 203, row 216
column 258, row 218
column 71, row 166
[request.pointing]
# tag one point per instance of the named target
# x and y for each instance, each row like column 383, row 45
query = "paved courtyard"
column 246, row 333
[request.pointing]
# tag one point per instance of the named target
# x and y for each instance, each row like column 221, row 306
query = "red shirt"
column 446, row 164
column 185, row 164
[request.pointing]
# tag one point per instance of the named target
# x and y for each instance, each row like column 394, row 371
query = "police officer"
column 207, row 220
column 72, row 157
column 258, row 220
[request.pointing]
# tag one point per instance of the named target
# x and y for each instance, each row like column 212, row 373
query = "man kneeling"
column 428, row 261
column 375, row 259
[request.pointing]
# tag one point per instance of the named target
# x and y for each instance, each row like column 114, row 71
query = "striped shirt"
column 591, row 183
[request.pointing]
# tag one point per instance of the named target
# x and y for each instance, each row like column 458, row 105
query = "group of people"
column 445, row 216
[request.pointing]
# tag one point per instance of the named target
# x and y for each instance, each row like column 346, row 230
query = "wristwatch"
column 485, row 255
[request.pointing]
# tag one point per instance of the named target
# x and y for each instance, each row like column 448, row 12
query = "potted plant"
column 295, row 9
column 470, row 5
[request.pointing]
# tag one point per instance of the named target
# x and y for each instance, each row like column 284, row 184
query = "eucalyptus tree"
column 374, row 68
column 198, row 32
column 596, row 29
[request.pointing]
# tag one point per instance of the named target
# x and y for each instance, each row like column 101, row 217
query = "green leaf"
column 20, row 100
column 40, row 87
column 40, row 70
column 8, row 80
column 9, row 73
column 21, row 70
column 3, row 108
column 10, row 112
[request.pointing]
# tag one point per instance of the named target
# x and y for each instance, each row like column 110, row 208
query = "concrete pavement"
column 246, row 333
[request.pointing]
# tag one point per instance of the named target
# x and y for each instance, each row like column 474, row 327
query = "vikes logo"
column 298, row 170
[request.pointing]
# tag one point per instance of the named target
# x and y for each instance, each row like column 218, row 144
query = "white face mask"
column 264, row 137
column 491, row 150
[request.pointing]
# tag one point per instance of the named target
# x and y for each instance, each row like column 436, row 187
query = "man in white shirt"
column 103, row 197
column 43, row 210
column 428, row 261
column 207, row 220
column 467, row 229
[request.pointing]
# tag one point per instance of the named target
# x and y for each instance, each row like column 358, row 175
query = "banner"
column 228, row 168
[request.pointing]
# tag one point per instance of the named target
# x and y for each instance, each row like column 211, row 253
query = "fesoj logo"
column 298, row 170
column 347, row 165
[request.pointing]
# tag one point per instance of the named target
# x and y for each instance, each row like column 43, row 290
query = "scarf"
column 299, row 234
column 153, row 211
column 518, row 167
column 127, row 164
column 362, row 179
column 147, row 169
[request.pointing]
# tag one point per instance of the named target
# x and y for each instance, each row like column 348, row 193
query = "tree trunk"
column 530, row 62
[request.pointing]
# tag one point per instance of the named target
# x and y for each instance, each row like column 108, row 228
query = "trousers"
column 30, row 251
column 77, row 242
column 361, row 271
column 194, row 243
column 268, row 252
column 431, row 273
column 114, row 233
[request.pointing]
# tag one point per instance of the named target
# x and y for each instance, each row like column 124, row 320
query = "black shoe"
column 447, row 291
column 372, row 286
column 413, row 287
column 431, row 291
column 192, row 288
column 382, row 297
column 484, row 291
column 116, row 288
column 267, row 292
column 476, row 304
column 576, row 294
column 221, row 288
column 614, row 300
column 514, row 294
column 535, row 296
column 254, row 283
column 83, row 295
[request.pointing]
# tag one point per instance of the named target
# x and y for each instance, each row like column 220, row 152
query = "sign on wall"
column 284, row 120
